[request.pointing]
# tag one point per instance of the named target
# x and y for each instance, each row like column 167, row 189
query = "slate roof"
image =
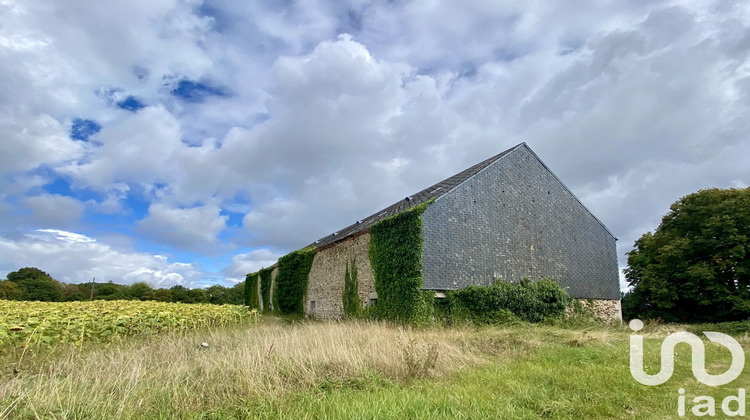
column 427, row 194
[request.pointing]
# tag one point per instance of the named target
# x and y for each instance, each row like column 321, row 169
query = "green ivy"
column 265, row 287
column 351, row 301
column 251, row 291
column 291, row 282
column 396, row 258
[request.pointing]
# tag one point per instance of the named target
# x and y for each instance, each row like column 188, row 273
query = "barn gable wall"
column 512, row 220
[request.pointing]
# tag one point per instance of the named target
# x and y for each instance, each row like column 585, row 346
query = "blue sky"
column 190, row 142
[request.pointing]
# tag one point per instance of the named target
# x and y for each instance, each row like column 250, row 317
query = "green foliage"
column 163, row 295
column 10, row 290
column 112, row 291
column 632, row 305
column 291, row 282
column 75, row 297
column 179, row 293
column 220, row 295
column 424, row 312
column 505, row 302
column 352, row 302
column 696, row 266
column 396, row 258
column 265, row 287
column 140, row 291
column 251, row 291
column 35, row 284
column 196, row 296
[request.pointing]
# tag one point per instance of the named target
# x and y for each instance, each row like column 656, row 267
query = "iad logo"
column 699, row 357
column 705, row 405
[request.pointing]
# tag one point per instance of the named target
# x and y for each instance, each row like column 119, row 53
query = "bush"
column 505, row 302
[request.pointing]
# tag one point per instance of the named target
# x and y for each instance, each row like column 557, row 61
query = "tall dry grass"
column 175, row 374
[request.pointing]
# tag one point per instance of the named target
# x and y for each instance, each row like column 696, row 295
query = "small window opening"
column 312, row 306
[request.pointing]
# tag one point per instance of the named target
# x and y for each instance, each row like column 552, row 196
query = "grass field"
column 282, row 369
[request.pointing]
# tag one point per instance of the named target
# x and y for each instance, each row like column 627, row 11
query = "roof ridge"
column 432, row 192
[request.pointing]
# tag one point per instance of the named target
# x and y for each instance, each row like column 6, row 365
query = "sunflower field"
column 47, row 324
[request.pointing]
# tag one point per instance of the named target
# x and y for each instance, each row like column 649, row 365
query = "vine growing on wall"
column 291, row 282
column 351, row 301
column 396, row 258
column 265, row 287
column 251, row 291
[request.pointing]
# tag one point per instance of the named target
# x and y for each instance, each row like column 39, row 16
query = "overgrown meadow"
column 284, row 367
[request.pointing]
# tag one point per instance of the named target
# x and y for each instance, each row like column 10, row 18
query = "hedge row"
column 502, row 302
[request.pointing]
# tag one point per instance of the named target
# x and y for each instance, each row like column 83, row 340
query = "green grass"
column 557, row 381
column 307, row 370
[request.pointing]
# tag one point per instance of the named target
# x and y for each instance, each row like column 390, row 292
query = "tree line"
column 30, row 283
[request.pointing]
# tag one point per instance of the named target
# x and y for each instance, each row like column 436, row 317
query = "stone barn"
column 508, row 217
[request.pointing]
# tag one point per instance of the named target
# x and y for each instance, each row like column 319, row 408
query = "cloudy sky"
column 194, row 141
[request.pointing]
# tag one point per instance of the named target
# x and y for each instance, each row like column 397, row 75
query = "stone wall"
column 609, row 310
column 325, row 284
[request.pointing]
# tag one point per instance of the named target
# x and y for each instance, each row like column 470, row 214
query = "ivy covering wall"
column 396, row 259
column 251, row 291
column 265, row 287
column 351, row 302
column 291, row 282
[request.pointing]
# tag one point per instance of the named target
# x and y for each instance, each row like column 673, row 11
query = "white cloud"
column 632, row 104
column 136, row 149
column 53, row 210
column 193, row 228
column 75, row 258
column 250, row 262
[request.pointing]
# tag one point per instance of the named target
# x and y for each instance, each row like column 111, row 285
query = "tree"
column 196, row 296
column 110, row 291
column 217, row 294
column 9, row 290
column 140, row 291
column 179, row 293
column 696, row 266
column 35, row 284
column 234, row 294
column 71, row 292
column 162, row 295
